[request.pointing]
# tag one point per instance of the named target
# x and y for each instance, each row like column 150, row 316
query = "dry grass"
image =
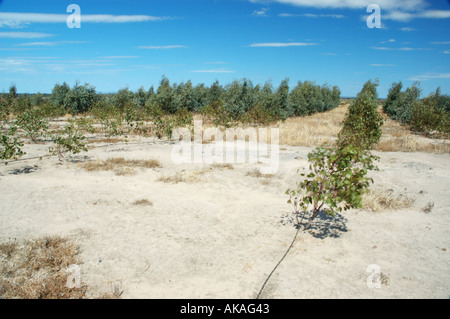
column 316, row 129
column 107, row 140
column 183, row 177
column 228, row 166
column 257, row 173
column 379, row 199
column 313, row 130
column 120, row 166
column 142, row 202
column 37, row 269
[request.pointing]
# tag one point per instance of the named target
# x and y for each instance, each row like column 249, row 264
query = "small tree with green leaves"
column 338, row 176
column 71, row 140
column 362, row 124
column 10, row 144
column 33, row 123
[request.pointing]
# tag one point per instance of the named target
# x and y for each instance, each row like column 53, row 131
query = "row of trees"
column 427, row 115
column 239, row 100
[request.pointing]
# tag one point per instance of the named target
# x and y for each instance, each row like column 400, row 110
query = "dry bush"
column 37, row 269
column 120, row 166
column 379, row 199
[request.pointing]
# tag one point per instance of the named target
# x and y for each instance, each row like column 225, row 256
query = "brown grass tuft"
column 379, row 199
column 183, row 177
column 257, row 173
column 120, row 166
column 37, row 269
column 143, row 202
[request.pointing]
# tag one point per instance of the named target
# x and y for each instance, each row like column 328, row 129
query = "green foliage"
column 217, row 112
column 58, row 95
column 10, row 144
column 390, row 104
column 430, row 116
column 362, row 124
column 337, row 181
column 80, row 98
column 338, row 175
column 406, row 103
column 183, row 118
column 308, row 98
column 71, row 140
column 33, row 123
column 124, row 98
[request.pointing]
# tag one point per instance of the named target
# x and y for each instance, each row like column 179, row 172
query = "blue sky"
column 134, row 43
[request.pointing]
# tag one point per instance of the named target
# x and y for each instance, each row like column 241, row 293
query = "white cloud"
column 429, row 76
column 48, row 44
column 403, row 16
column 311, row 15
column 407, row 29
column 261, row 13
column 20, row 19
column 121, row 57
column 441, row 42
column 280, row 45
column 383, row 65
column 161, row 47
column 214, row 71
column 446, row 52
column 399, row 49
column 24, row 35
column 352, row 4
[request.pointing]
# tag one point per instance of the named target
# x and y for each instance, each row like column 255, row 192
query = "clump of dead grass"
column 120, row 166
column 37, row 269
column 142, row 202
column 258, row 174
column 183, row 177
column 379, row 199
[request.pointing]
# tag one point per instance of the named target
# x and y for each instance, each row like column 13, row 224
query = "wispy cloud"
column 161, row 47
column 352, row 4
column 407, row 29
column 219, row 62
column 403, row 16
column 261, row 13
column 120, row 57
column 383, row 65
column 280, row 44
column 442, row 42
column 430, row 76
column 400, row 49
column 21, row 19
column 311, row 15
column 24, row 35
column 214, row 71
column 48, row 44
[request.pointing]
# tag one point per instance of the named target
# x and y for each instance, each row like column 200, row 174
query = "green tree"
column 394, row 95
column 80, row 99
column 362, row 124
column 59, row 93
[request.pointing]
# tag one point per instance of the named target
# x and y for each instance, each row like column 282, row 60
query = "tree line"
column 429, row 115
column 239, row 100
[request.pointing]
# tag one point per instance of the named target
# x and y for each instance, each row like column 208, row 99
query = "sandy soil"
column 219, row 235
